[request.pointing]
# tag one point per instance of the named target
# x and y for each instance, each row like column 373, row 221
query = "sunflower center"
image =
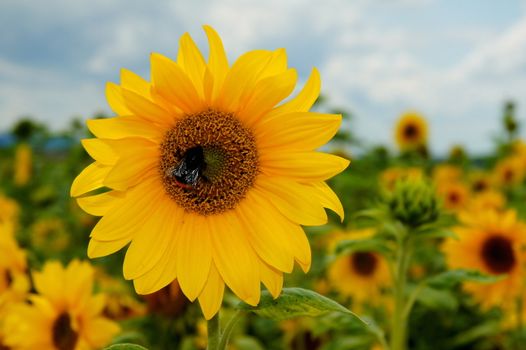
column 64, row 337
column 8, row 278
column 364, row 263
column 480, row 186
column 508, row 175
column 497, row 254
column 209, row 160
column 453, row 197
column 411, row 132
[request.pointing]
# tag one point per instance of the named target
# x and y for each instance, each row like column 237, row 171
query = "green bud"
column 413, row 203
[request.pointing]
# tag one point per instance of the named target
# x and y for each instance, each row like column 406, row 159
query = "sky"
column 454, row 61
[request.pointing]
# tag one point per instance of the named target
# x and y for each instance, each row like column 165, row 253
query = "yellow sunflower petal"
column 234, row 258
column 302, row 166
column 100, row 204
column 146, row 109
column 50, row 282
column 217, row 61
column 242, row 77
column 266, row 94
column 291, row 199
column 89, row 179
column 272, row 279
column 97, row 249
column 211, row 297
column 133, row 168
column 302, row 131
column 162, row 273
column 262, row 234
column 133, row 82
column 174, row 85
column 99, row 151
column 114, row 97
column 327, row 197
column 99, row 331
column 152, row 240
column 125, row 219
column 194, row 255
column 126, row 126
column 191, row 61
column 304, row 100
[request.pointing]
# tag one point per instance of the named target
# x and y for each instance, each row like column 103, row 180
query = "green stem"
column 400, row 314
column 214, row 333
column 228, row 329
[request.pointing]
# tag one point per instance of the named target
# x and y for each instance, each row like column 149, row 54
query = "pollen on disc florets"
column 230, row 161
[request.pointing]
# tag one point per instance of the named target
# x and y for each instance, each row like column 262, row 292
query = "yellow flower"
column 490, row 199
column 411, row 131
column 480, row 181
column 49, row 234
column 14, row 282
column 509, row 171
column 389, row 177
column 9, row 210
column 23, row 165
column 64, row 315
column 360, row 275
column 445, row 173
column 491, row 242
column 210, row 177
column 454, row 195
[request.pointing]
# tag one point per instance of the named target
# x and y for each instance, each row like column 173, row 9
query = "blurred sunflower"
column 9, row 210
column 389, row 177
column 360, row 275
column 509, row 171
column 14, row 281
column 444, row 173
column 490, row 199
column 23, row 164
column 491, row 242
column 63, row 316
column 209, row 178
column 411, row 131
column 455, row 195
column 480, row 181
column 49, row 234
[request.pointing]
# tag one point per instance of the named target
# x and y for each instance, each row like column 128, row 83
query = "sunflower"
column 209, row 177
column 14, row 282
column 480, row 181
column 509, row 171
column 389, row 177
column 360, row 275
column 64, row 315
column 411, row 131
column 454, row 195
column 491, row 242
column 9, row 210
column 444, row 173
column 490, row 199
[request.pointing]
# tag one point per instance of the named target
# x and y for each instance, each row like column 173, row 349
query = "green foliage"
column 125, row 347
column 450, row 278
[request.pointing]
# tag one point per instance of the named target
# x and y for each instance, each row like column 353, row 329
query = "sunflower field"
column 220, row 207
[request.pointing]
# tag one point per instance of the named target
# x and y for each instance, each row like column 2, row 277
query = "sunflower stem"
column 400, row 314
column 214, row 333
column 225, row 337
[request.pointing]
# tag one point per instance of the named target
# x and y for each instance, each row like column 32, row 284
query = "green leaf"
column 437, row 299
column 125, row 347
column 436, row 233
column 484, row 330
column 372, row 244
column 451, row 278
column 295, row 302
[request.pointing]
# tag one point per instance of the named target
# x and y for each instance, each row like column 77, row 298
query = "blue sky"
column 455, row 61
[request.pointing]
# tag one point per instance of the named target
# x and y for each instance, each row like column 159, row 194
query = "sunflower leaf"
column 373, row 244
column 295, row 302
column 125, row 347
column 450, row 278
